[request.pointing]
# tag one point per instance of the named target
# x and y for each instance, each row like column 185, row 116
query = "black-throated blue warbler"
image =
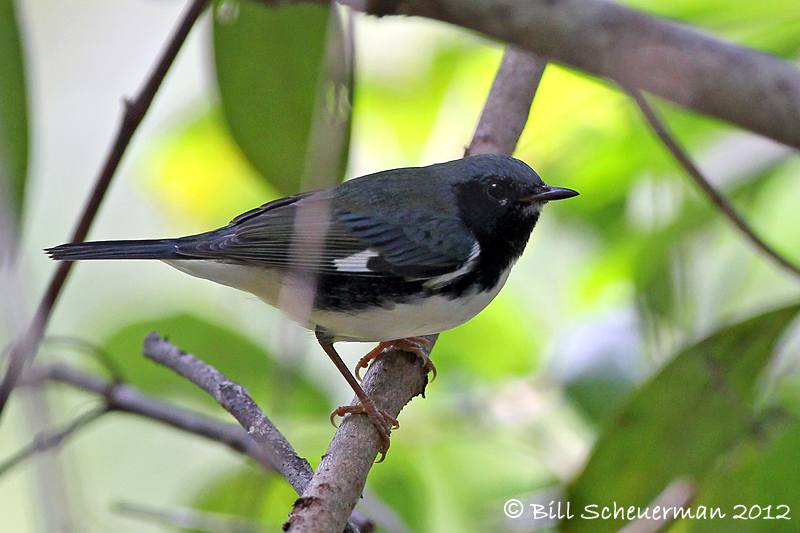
column 387, row 257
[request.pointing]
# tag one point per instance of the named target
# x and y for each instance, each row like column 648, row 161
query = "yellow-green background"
column 590, row 351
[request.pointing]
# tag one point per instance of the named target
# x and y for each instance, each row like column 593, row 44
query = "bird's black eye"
column 497, row 189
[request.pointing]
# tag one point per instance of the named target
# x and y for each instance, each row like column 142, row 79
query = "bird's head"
column 499, row 197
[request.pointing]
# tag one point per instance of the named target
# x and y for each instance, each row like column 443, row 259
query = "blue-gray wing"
column 422, row 245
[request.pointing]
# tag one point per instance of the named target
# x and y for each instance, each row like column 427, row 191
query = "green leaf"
column 277, row 389
column 680, row 422
column 13, row 113
column 760, row 474
column 285, row 97
column 247, row 496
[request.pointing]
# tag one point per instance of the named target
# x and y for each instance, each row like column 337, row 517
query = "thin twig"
column 47, row 441
column 135, row 110
column 716, row 197
column 237, row 401
column 126, row 398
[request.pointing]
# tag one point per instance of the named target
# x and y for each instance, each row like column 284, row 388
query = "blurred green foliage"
column 13, row 115
column 198, row 175
column 677, row 425
column 277, row 389
column 270, row 65
column 501, row 422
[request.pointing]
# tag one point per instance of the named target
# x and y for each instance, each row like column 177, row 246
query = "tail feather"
column 141, row 249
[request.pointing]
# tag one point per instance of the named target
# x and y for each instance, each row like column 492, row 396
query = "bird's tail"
column 141, row 249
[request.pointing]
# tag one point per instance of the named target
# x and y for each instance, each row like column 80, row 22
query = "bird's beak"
column 548, row 194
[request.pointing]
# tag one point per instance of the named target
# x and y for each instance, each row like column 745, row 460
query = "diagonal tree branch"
column 756, row 91
column 126, row 398
column 235, row 399
column 716, row 197
column 396, row 377
column 25, row 349
column 506, row 109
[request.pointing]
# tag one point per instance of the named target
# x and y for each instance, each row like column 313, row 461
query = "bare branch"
column 753, row 90
column 506, row 109
column 396, row 377
column 47, row 441
column 391, row 381
column 128, row 399
column 135, row 110
column 716, row 197
column 237, row 401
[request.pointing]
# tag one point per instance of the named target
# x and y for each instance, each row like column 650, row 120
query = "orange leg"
column 383, row 422
column 415, row 345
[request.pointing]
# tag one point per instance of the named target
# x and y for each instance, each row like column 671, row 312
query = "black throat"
column 502, row 231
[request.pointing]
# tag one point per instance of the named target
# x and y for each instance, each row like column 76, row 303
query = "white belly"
column 432, row 315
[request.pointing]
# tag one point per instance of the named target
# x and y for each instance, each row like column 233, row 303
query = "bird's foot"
column 415, row 345
column 382, row 421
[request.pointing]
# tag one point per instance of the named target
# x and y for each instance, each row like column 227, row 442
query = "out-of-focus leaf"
column 276, row 84
column 753, row 480
column 13, row 114
column 199, row 175
column 495, row 344
column 599, row 394
column 407, row 113
column 680, row 422
column 278, row 390
column 770, row 25
column 248, row 494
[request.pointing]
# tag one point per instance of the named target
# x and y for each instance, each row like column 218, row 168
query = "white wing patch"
column 356, row 262
column 438, row 281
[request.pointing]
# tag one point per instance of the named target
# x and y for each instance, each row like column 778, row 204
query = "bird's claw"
column 415, row 345
column 384, row 423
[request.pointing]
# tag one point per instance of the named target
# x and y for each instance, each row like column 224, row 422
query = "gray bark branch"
column 396, row 376
column 753, row 90
column 235, row 399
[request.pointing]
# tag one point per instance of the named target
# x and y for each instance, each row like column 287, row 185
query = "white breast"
column 432, row 315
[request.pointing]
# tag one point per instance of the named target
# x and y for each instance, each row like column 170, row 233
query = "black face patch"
column 501, row 223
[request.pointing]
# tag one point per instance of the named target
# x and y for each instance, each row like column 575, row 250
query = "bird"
column 388, row 257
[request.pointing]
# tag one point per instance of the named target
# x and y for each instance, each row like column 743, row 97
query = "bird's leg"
column 382, row 421
column 415, row 345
